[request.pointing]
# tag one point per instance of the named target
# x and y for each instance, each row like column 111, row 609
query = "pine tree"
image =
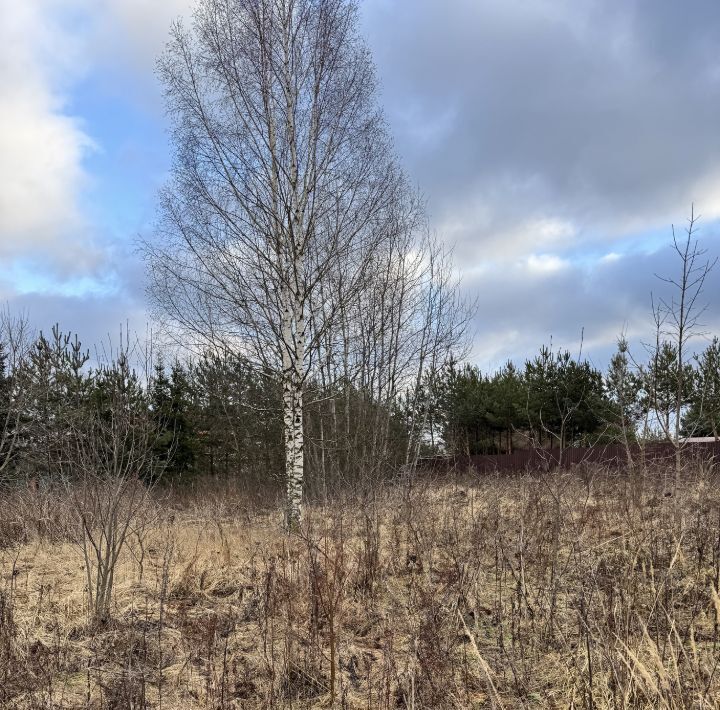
column 183, row 456
column 171, row 404
column 566, row 401
column 661, row 387
column 703, row 415
column 623, row 386
column 57, row 389
column 541, row 387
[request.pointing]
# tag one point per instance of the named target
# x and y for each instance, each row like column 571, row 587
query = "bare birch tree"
column 283, row 171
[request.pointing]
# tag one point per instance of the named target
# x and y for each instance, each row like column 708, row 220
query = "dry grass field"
column 569, row 590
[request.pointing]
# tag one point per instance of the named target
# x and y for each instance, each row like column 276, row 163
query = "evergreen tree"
column 116, row 423
column 541, row 406
column 566, row 399
column 703, row 415
column 171, row 403
column 235, row 412
column 505, row 405
column 661, row 387
column 623, row 386
column 57, row 388
column 183, row 457
column 160, row 406
column 464, row 410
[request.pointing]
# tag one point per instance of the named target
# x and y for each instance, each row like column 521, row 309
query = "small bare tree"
column 677, row 321
column 110, row 468
column 441, row 324
column 386, row 353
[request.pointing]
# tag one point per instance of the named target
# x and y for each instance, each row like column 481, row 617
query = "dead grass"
column 563, row 591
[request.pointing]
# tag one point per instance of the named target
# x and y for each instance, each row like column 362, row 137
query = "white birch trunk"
column 293, row 331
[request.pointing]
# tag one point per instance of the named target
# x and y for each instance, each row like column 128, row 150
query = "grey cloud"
column 519, row 310
column 96, row 316
column 603, row 115
column 556, row 127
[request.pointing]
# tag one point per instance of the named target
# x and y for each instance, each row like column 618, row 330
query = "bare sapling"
column 678, row 321
column 109, row 469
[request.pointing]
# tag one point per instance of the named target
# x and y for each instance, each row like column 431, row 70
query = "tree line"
column 289, row 233
column 166, row 418
column 216, row 415
column 554, row 400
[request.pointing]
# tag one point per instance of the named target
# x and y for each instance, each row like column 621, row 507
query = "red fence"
column 546, row 459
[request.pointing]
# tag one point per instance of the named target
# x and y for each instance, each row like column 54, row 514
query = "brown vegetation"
column 564, row 590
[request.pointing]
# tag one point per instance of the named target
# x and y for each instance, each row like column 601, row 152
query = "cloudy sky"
column 556, row 141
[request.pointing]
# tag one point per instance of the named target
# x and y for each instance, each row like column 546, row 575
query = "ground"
column 584, row 589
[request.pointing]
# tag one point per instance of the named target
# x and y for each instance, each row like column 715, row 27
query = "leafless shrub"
column 110, row 469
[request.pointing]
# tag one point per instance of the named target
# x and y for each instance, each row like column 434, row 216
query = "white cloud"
column 481, row 233
column 42, row 146
column 545, row 264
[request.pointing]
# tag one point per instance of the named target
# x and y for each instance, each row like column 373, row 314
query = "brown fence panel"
column 612, row 455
